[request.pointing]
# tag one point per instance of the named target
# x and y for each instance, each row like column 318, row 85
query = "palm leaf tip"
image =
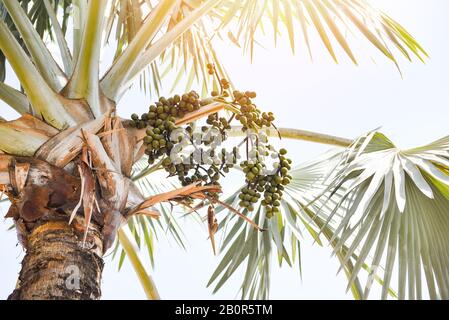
column 334, row 21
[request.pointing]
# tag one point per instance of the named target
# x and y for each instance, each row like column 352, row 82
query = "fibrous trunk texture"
column 58, row 266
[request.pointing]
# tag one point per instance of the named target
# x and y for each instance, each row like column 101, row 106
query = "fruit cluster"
column 251, row 117
column 248, row 198
column 160, row 122
column 176, row 106
column 271, row 186
column 221, row 123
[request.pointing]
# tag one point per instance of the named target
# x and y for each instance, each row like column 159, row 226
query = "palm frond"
column 302, row 212
column 245, row 244
column 336, row 22
column 192, row 52
column 398, row 212
column 182, row 36
column 332, row 20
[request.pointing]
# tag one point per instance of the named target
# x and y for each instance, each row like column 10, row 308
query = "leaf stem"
column 147, row 171
column 44, row 61
column 42, row 98
column 14, row 98
column 109, row 84
column 123, row 65
column 85, row 79
column 296, row 134
column 132, row 252
column 60, row 38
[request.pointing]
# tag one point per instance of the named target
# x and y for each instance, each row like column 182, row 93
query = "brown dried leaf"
column 233, row 39
column 12, row 212
column 114, row 186
column 192, row 190
column 149, row 213
column 33, row 205
column 118, row 145
column 78, row 205
column 21, row 175
column 47, row 185
column 89, row 192
column 4, row 171
column 200, row 113
column 22, row 232
column 212, row 226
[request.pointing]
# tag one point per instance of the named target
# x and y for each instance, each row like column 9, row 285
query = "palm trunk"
column 57, row 266
column 63, row 260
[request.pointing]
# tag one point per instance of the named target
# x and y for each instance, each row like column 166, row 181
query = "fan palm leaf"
column 302, row 212
column 398, row 213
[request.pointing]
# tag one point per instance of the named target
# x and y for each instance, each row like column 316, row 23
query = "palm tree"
column 75, row 174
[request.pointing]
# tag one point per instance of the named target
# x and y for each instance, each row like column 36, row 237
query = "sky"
column 342, row 100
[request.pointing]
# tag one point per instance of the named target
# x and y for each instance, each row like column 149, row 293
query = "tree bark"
column 57, row 265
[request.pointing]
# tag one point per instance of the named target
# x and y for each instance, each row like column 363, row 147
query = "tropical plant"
column 76, row 176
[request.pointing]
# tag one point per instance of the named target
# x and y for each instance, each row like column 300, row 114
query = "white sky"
column 342, row 100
